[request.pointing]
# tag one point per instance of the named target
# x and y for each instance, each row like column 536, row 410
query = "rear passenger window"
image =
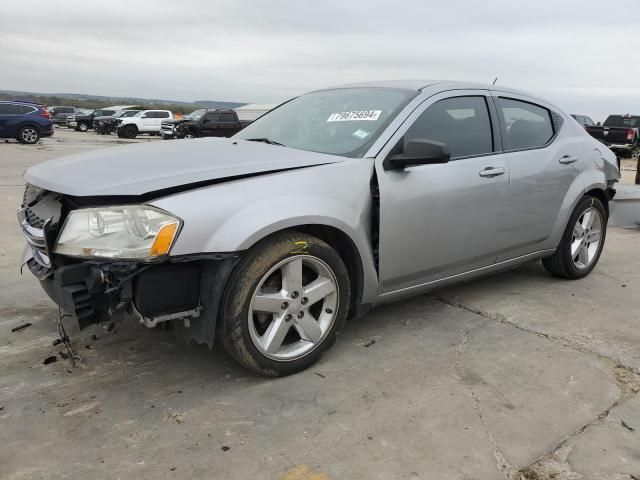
column 527, row 125
column 462, row 123
column 9, row 109
column 228, row 117
column 162, row 114
column 27, row 109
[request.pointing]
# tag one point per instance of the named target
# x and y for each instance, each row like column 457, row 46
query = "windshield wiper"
column 265, row 140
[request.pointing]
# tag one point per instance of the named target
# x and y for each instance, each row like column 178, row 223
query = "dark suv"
column 59, row 114
column 26, row 122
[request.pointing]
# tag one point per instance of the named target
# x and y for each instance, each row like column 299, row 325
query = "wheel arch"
column 28, row 124
column 601, row 195
column 346, row 247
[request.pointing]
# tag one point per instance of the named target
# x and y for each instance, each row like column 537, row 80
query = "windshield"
column 342, row 122
column 196, row 114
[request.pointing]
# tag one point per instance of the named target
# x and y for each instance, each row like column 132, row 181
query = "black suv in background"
column 59, row 114
column 203, row 123
column 82, row 123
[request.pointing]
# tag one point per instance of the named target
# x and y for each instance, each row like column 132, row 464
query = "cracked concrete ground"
column 519, row 375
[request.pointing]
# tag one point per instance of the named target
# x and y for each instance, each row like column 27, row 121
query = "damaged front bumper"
column 183, row 290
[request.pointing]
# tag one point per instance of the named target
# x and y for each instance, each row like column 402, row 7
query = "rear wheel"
column 284, row 304
column 83, row 126
column 28, row 135
column 582, row 242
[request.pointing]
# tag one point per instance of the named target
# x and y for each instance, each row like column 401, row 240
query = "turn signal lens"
column 164, row 239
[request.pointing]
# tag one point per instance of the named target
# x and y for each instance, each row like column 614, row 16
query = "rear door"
column 543, row 163
column 228, row 124
column 440, row 220
column 149, row 120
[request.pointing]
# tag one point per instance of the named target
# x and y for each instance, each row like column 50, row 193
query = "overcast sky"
column 582, row 54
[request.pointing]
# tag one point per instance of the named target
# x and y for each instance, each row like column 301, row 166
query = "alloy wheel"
column 293, row 308
column 587, row 235
column 29, row 135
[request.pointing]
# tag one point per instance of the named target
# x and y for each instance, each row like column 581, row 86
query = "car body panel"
column 434, row 201
column 140, row 169
column 265, row 204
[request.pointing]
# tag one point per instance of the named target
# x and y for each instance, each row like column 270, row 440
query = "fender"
column 584, row 182
column 235, row 215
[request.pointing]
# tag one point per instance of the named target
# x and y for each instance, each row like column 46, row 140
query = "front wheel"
column 582, row 242
column 284, row 304
column 83, row 126
column 130, row 131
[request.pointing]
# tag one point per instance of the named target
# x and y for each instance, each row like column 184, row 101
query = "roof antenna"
column 494, row 81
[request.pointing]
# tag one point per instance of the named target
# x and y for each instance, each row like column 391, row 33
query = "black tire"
column 561, row 263
column 130, row 131
column 29, row 134
column 233, row 324
column 82, row 126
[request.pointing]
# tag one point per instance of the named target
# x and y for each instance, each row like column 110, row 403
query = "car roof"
column 417, row 85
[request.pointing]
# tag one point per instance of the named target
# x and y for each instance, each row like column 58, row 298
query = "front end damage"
column 184, row 291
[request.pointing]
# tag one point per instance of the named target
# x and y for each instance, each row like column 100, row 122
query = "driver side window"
column 463, row 123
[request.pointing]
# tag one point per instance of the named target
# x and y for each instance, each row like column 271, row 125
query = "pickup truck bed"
column 621, row 133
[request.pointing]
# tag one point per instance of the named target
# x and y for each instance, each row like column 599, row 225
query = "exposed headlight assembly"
column 135, row 232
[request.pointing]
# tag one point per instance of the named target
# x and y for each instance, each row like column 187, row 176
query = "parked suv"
column 331, row 203
column 25, row 122
column 146, row 121
column 84, row 122
column 59, row 114
column 204, row 123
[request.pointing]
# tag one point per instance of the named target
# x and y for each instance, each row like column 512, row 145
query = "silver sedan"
column 334, row 202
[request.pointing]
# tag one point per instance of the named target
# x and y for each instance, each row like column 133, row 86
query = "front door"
column 440, row 220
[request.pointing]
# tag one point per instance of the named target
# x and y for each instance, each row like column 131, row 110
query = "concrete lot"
column 520, row 375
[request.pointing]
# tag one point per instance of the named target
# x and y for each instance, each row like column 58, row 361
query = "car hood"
column 145, row 168
column 176, row 121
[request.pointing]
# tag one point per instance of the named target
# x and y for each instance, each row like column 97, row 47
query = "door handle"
column 491, row 172
column 567, row 159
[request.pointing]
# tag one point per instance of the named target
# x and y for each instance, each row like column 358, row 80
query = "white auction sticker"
column 371, row 115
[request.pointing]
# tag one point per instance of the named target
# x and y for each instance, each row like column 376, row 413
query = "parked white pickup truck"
column 146, row 121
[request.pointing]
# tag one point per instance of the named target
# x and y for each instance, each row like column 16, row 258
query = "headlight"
column 137, row 232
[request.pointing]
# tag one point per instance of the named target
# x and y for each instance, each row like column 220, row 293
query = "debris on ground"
column 50, row 359
column 176, row 417
column 319, row 374
column 63, row 355
column 21, row 327
column 370, row 342
column 225, row 448
column 627, row 426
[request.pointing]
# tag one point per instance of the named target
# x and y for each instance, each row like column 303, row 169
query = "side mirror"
column 418, row 152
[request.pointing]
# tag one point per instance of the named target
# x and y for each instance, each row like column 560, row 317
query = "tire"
column 258, row 284
column 29, row 135
column 82, row 126
column 592, row 217
column 130, row 131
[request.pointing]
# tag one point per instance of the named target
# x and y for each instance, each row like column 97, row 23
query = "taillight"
column 630, row 135
column 45, row 114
